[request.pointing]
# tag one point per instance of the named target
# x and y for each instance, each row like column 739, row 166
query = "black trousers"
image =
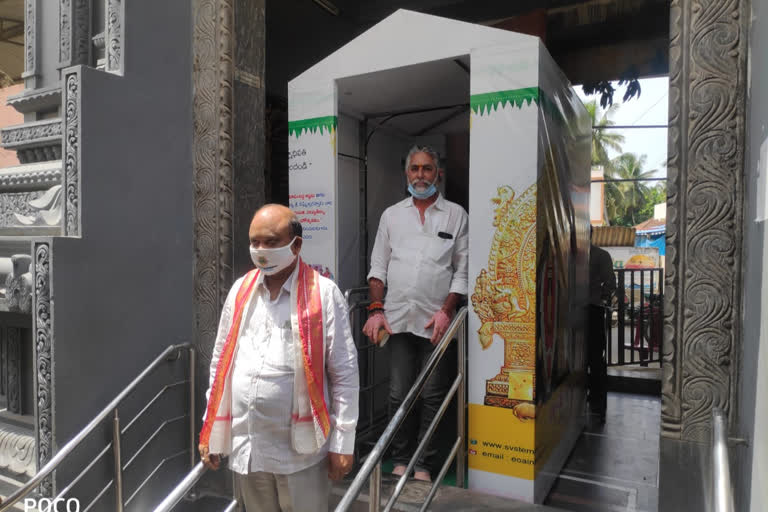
column 408, row 355
column 598, row 370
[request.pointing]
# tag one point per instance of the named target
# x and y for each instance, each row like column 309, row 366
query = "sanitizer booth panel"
column 516, row 142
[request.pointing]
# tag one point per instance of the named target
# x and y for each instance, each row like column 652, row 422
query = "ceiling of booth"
column 589, row 39
column 391, row 96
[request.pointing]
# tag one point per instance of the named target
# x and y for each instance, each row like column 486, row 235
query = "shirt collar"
column 439, row 204
column 287, row 285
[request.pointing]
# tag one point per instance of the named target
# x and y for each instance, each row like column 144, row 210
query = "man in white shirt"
column 283, row 441
column 420, row 254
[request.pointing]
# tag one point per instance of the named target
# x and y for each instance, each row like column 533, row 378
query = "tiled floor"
column 614, row 467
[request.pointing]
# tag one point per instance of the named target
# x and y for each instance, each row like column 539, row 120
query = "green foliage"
column 629, row 203
column 656, row 195
column 602, row 139
column 606, row 89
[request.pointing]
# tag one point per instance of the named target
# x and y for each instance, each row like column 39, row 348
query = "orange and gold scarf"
column 310, row 425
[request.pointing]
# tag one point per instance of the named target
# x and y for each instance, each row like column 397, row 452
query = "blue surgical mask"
column 429, row 192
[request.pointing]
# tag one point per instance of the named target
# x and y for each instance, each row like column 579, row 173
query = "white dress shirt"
column 420, row 264
column 263, row 377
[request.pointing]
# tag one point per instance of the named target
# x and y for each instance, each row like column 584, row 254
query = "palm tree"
column 627, row 196
column 602, row 139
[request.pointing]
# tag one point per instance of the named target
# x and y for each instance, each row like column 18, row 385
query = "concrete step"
column 635, row 379
column 447, row 499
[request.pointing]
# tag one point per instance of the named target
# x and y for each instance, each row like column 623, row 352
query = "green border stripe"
column 484, row 103
column 312, row 125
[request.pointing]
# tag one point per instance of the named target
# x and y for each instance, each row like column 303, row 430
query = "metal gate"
column 634, row 329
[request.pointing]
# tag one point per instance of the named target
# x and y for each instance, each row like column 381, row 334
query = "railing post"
column 622, row 303
column 192, row 374
column 643, row 321
column 374, row 489
column 722, row 491
column 116, row 440
column 461, row 405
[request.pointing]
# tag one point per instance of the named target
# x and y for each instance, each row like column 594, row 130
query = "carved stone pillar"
column 113, row 36
column 228, row 47
column 72, row 149
column 213, row 76
column 31, row 49
column 74, row 33
column 702, row 326
column 42, row 325
column 13, row 368
column 249, row 125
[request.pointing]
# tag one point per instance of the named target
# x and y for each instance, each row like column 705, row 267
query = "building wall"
column 9, row 117
column 123, row 291
column 751, row 469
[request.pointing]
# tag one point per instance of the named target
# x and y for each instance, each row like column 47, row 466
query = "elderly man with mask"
column 283, row 395
column 420, row 255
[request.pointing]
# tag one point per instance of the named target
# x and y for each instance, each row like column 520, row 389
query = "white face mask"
column 272, row 261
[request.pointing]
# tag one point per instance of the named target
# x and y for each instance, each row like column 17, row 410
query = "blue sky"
column 650, row 108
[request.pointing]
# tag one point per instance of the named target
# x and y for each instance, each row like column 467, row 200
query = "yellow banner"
column 500, row 442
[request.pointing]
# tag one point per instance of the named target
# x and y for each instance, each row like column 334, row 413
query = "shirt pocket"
column 279, row 357
column 439, row 250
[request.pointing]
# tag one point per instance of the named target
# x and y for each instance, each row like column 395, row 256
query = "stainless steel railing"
column 112, row 409
column 181, row 490
column 721, row 471
column 371, row 468
column 373, row 366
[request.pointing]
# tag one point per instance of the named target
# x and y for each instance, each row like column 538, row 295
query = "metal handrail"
column 721, row 471
column 357, row 300
column 182, row 488
column 354, row 291
column 231, row 506
column 110, row 410
column 371, row 468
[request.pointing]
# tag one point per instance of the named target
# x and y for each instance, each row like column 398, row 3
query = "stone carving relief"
column 704, row 214
column 33, row 100
column 114, row 36
column 213, row 78
column 15, row 205
column 42, row 154
column 17, row 450
column 13, row 367
column 3, row 372
column 65, row 30
column 34, row 142
column 43, row 339
column 30, row 32
column 45, row 209
column 72, row 153
column 29, row 133
column 74, row 32
column 36, row 177
column 18, row 284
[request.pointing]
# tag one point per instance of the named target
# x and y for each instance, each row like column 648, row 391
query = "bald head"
column 274, row 225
